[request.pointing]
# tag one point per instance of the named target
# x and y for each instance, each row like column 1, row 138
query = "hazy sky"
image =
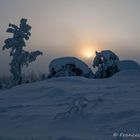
column 74, row 28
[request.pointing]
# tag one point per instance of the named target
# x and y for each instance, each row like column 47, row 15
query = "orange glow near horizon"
column 87, row 51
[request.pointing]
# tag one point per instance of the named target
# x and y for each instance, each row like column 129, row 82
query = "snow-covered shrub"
column 5, row 82
column 69, row 66
column 20, row 57
column 107, row 64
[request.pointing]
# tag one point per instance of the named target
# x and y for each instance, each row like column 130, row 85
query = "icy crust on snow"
column 58, row 63
column 72, row 108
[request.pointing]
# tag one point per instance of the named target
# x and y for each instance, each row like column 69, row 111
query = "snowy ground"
column 72, row 108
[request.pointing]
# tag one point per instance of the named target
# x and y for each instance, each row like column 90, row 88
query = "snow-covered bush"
column 20, row 57
column 69, row 66
column 5, row 82
column 107, row 64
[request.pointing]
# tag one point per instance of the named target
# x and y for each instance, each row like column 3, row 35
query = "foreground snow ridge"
column 72, row 108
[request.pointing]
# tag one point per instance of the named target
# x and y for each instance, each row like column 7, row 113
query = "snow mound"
column 87, row 109
column 128, row 73
column 128, row 65
column 58, row 63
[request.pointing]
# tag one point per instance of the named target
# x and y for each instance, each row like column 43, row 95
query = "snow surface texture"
column 72, row 108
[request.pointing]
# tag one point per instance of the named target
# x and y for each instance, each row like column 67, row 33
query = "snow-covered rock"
column 69, row 66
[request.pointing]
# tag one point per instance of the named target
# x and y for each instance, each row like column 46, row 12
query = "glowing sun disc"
column 87, row 53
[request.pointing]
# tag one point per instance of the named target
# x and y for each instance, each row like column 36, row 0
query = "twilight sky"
column 73, row 28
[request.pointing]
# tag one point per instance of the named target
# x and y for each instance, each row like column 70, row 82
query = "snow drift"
column 72, row 108
column 128, row 65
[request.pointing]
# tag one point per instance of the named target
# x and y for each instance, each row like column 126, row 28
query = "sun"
column 87, row 52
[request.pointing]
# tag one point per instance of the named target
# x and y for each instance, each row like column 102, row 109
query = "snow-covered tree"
column 16, row 43
column 107, row 64
column 69, row 66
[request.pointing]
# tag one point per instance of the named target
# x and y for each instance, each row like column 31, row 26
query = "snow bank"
column 87, row 109
column 128, row 65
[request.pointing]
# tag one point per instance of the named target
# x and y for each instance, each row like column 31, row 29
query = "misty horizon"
column 73, row 28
